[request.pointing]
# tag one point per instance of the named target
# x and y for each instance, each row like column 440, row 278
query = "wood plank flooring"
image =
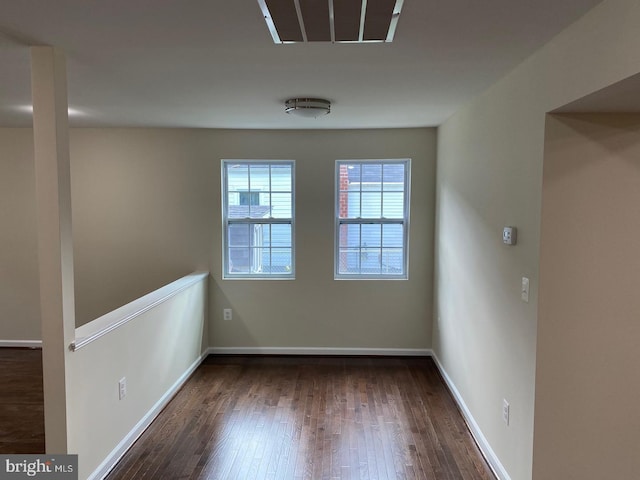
column 21, row 401
column 308, row 418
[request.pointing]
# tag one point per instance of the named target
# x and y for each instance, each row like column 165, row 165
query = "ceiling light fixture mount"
column 307, row 107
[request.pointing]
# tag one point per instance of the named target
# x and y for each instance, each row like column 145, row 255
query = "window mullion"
column 249, row 189
column 359, row 264
column 360, row 193
column 270, row 196
column 381, row 190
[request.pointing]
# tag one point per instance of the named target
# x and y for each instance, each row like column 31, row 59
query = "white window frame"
column 404, row 221
column 226, row 221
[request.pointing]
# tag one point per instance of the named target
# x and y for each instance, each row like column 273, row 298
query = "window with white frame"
column 258, row 219
column 372, row 219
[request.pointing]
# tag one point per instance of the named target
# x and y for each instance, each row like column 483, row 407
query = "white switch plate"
column 227, row 314
column 122, row 388
column 524, row 291
column 505, row 411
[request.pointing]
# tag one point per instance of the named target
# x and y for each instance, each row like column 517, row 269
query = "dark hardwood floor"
column 277, row 418
column 21, row 401
column 308, row 418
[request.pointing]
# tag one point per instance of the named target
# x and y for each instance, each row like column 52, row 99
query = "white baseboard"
column 21, row 343
column 117, row 453
column 484, row 446
column 387, row 352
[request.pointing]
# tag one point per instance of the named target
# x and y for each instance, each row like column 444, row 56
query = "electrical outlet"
column 122, row 388
column 227, row 314
column 506, row 410
column 509, row 235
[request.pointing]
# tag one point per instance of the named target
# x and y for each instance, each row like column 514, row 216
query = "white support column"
column 55, row 249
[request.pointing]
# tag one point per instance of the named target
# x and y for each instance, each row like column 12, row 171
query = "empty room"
column 320, row 239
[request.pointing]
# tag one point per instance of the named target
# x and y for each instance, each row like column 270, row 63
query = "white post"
column 55, row 249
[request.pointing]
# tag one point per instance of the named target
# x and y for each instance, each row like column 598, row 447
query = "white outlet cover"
column 509, row 235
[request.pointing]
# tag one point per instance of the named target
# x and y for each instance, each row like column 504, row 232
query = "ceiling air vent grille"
column 337, row 21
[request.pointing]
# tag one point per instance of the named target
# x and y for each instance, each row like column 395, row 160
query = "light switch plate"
column 506, row 411
column 525, row 289
column 122, row 388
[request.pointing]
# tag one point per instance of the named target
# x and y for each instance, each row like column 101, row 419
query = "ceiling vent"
column 336, row 21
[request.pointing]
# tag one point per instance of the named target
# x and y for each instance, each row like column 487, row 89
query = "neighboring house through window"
column 372, row 219
column 258, row 219
column 249, row 198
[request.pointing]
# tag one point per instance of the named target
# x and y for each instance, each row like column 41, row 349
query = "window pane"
column 261, row 210
column 281, row 205
column 239, row 260
column 257, row 260
column 392, row 261
column 237, row 178
column 280, row 235
column 233, row 200
column 393, row 206
column 248, row 235
column 370, row 260
column 343, row 205
column 266, row 235
column 372, row 176
column 349, row 235
column 349, row 260
column 393, row 187
column 239, row 236
column 392, row 236
column 281, row 178
column 349, row 176
column 371, row 235
column 238, row 211
column 281, row 260
column 393, row 176
column 371, row 205
column 349, row 204
column 259, row 178
column 248, row 198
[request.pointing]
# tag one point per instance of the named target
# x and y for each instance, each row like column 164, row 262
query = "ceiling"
column 213, row 63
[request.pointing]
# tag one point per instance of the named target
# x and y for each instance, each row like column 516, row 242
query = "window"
column 372, row 219
column 258, row 219
column 249, row 198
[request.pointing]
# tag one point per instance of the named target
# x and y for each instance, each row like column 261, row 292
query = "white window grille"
column 372, row 219
column 258, row 219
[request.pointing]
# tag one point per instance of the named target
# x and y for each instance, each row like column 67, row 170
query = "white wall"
column 19, row 284
column 588, row 380
column 490, row 156
column 153, row 351
column 146, row 210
